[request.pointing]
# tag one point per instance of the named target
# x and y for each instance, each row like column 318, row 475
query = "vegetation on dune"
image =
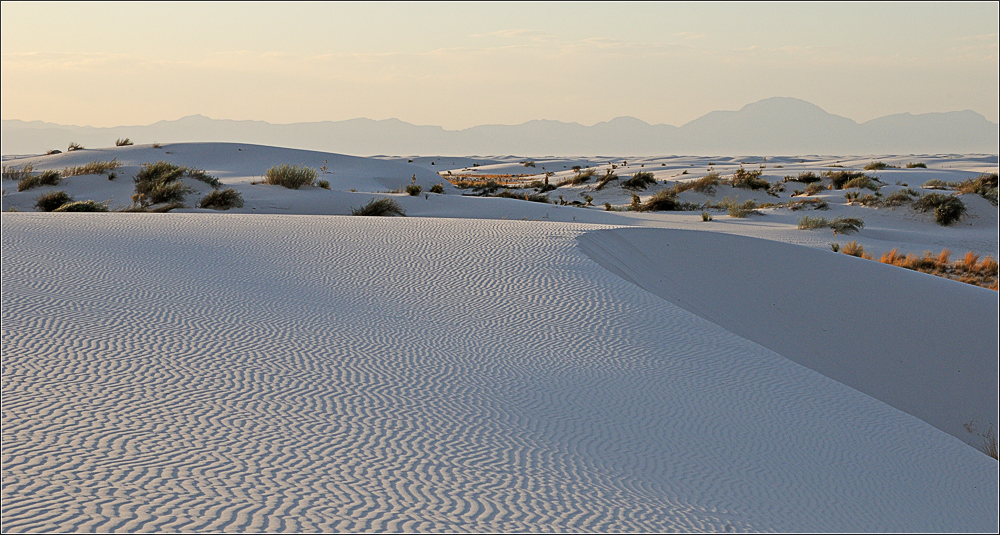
column 839, row 178
column 807, row 177
column 123, row 142
column 608, row 177
column 93, row 168
column 74, row 146
column 639, row 181
column 222, row 199
column 437, row 188
column 45, row 178
column 50, row 201
column 985, row 185
column 17, row 172
column 705, row 184
column 290, row 176
column 809, row 223
column 876, row 166
column 158, row 183
column 83, row 206
column 748, row 180
column 915, row 165
column 947, row 209
column 379, row 207
column 846, row 225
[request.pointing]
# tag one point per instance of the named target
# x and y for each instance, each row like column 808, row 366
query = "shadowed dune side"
column 923, row 344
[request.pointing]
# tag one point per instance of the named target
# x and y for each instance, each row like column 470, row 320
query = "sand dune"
column 280, row 373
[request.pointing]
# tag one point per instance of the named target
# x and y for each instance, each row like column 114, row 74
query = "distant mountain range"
column 774, row 126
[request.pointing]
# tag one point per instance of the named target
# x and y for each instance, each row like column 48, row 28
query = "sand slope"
column 278, row 373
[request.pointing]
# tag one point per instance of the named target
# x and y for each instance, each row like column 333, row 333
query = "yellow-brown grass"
column 969, row 269
column 471, row 180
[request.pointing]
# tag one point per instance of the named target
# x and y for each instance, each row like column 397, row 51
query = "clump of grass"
column 577, row 179
column 533, row 197
column 985, row 185
column 748, row 180
column 639, row 181
column 528, row 163
column 853, row 248
column 413, row 190
column 809, row 223
column 876, row 166
column 860, row 182
column 379, row 207
column 969, row 269
column 947, row 208
column 915, row 165
column 738, row 209
column 663, row 200
column 202, row 176
column 807, row 177
column 17, row 172
column 705, row 216
column 158, row 183
column 437, row 188
column 222, row 199
column 846, row 225
column 813, row 189
column 290, row 176
column 900, row 198
column 325, row 184
column 605, row 180
column 123, row 142
column 705, row 184
column 74, row 146
column 45, row 178
column 52, row 151
column 936, row 183
column 82, row 206
column 93, row 168
column 50, row 201
column 839, row 178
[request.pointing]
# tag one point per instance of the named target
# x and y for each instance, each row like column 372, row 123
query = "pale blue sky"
column 467, row 64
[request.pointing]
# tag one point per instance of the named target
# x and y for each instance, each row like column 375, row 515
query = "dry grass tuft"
column 379, row 207
column 45, row 178
column 705, row 184
column 93, row 168
column 17, row 172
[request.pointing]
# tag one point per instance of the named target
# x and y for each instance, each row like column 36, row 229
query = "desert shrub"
column 947, row 208
column 914, row 165
column 900, row 198
column 807, row 177
column 74, row 146
column 846, row 225
column 413, row 190
column 45, row 178
column 82, row 206
column 51, row 201
column 639, row 181
column 159, row 182
column 533, row 197
column 487, row 188
column 835, row 247
column 325, row 184
column 17, row 172
column 290, row 176
column 839, row 178
column 607, row 178
column 875, row 166
column 809, row 223
column 705, row 216
column 528, row 163
column 222, row 199
column 742, row 210
column 748, row 180
column 936, row 183
column 437, row 188
column 705, row 184
column 985, row 185
column 53, row 151
column 123, row 142
column 202, row 176
column 379, row 207
column 663, row 200
column 860, row 182
column 577, row 179
column 93, row 168
column 814, row 188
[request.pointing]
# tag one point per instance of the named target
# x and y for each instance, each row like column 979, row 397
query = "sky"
column 467, row 64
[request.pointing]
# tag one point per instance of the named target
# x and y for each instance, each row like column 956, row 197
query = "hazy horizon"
column 464, row 65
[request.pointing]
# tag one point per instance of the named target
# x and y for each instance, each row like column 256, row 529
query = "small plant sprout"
column 123, row 142
column 74, row 146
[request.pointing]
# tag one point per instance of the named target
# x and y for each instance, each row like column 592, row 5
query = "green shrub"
column 413, row 190
column 223, row 199
column 202, row 176
column 809, row 223
column 577, row 179
column 860, row 182
column 325, row 184
column 123, row 142
column 607, row 178
column 748, row 180
column 74, row 146
column 921, row 165
column 806, row 178
column 745, row 209
column 437, row 188
column 936, row 183
column 846, row 225
column 639, row 181
column 379, row 207
column 839, row 178
column 82, row 206
column 947, row 208
column 290, row 176
column 985, row 185
column 159, row 182
column 705, row 216
column 663, row 200
column 92, row 168
column 900, row 198
column 875, row 166
column 51, row 201
column 45, row 178
column 533, row 197
column 813, row 189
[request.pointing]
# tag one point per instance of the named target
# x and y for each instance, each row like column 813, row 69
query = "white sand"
column 456, row 372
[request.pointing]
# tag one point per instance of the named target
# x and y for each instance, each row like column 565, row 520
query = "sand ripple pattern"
column 278, row 373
